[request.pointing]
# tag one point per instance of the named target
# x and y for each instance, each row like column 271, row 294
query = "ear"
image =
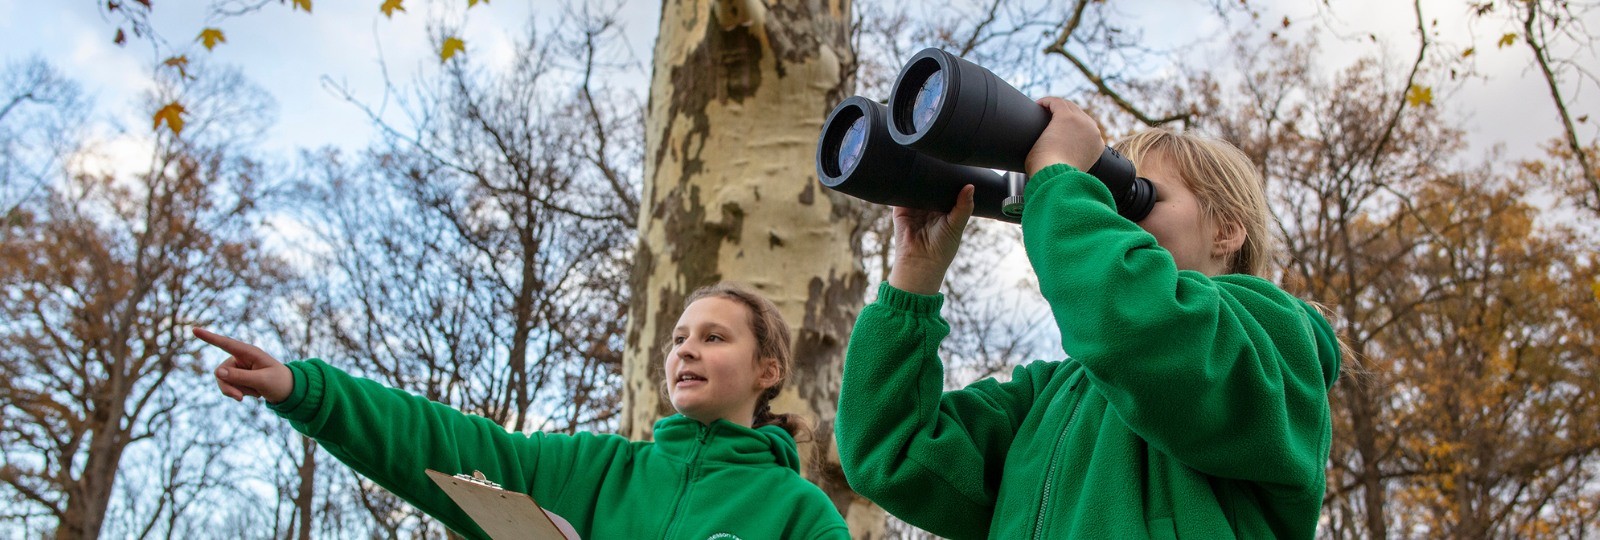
column 1230, row 239
column 769, row 374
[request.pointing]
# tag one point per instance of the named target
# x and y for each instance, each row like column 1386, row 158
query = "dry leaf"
column 390, row 6
column 1419, row 96
column 210, row 37
column 451, row 46
column 172, row 115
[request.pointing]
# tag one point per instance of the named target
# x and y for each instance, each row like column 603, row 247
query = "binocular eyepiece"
column 948, row 123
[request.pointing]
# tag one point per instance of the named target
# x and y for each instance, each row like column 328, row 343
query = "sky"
column 291, row 54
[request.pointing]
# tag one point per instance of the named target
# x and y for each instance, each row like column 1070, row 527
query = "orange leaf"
column 1469, row 52
column 302, row 4
column 181, row 63
column 172, row 114
column 452, row 45
column 210, row 37
column 390, row 6
column 1508, row 40
column 1419, row 96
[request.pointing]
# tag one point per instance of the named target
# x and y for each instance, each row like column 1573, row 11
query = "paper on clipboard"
column 503, row 515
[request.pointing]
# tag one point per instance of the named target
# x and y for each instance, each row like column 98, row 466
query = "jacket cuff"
column 306, row 398
column 1045, row 175
column 916, row 304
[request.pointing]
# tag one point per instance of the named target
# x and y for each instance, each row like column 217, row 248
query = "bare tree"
column 1556, row 33
column 477, row 254
column 102, row 278
column 38, row 109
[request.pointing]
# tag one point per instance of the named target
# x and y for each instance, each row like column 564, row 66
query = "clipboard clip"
column 477, row 478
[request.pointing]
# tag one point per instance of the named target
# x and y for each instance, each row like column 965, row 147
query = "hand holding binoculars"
column 947, row 124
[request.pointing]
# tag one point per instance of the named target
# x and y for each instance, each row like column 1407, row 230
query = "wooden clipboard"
column 504, row 515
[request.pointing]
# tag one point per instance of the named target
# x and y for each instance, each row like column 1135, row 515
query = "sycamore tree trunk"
column 738, row 95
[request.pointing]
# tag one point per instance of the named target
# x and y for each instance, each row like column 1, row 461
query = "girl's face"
column 712, row 370
column 1181, row 227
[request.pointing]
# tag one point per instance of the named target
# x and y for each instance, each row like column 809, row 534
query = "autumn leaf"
column 390, row 6
column 1419, row 96
column 1596, row 287
column 452, row 45
column 172, row 114
column 210, row 37
column 301, row 4
column 181, row 63
column 471, row 3
column 1469, row 52
column 1508, row 40
column 121, row 38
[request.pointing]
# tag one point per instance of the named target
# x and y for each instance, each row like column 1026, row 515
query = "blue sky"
column 290, row 54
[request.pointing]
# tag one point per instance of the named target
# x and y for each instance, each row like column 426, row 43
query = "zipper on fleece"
column 688, row 479
column 1050, row 474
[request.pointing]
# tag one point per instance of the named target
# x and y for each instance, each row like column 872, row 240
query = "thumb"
column 963, row 209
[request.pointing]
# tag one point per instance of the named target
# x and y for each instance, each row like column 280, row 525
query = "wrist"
column 916, row 276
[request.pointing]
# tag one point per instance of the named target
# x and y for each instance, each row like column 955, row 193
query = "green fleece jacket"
column 698, row 481
column 1189, row 407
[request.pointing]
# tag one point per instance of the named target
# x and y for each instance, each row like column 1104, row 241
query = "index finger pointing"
column 232, row 346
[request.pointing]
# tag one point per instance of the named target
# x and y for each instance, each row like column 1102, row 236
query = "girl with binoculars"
column 1194, row 399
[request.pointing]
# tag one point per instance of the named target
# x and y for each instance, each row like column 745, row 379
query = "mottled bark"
column 738, row 95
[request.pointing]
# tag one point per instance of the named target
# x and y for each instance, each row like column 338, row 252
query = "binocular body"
column 949, row 123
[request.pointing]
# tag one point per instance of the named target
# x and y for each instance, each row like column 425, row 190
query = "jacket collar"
column 726, row 442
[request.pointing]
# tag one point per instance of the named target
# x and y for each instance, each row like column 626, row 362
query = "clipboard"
column 503, row 515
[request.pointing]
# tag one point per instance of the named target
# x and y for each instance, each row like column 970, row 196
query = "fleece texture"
column 1188, row 406
column 698, row 481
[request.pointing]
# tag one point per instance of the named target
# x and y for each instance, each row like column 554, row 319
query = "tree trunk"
column 89, row 495
column 738, row 95
column 307, row 492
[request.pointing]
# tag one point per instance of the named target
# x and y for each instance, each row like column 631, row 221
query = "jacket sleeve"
column 1227, row 375
column 392, row 437
column 929, row 457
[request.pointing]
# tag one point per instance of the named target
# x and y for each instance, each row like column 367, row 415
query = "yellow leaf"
column 1596, row 287
column 302, row 4
column 1469, row 52
column 1508, row 40
column 452, row 45
column 210, row 37
column 172, row 114
column 1419, row 96
column 390, row 6
column 471, row 3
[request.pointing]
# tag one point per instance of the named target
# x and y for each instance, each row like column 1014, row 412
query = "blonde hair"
column 1229, row 188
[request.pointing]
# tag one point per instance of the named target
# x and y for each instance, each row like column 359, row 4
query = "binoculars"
column 950, row 123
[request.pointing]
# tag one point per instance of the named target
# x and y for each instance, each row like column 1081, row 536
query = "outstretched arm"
column 392, row 437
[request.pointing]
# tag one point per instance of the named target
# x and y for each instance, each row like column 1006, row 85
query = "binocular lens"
column 853, row 144
column 929, row 98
